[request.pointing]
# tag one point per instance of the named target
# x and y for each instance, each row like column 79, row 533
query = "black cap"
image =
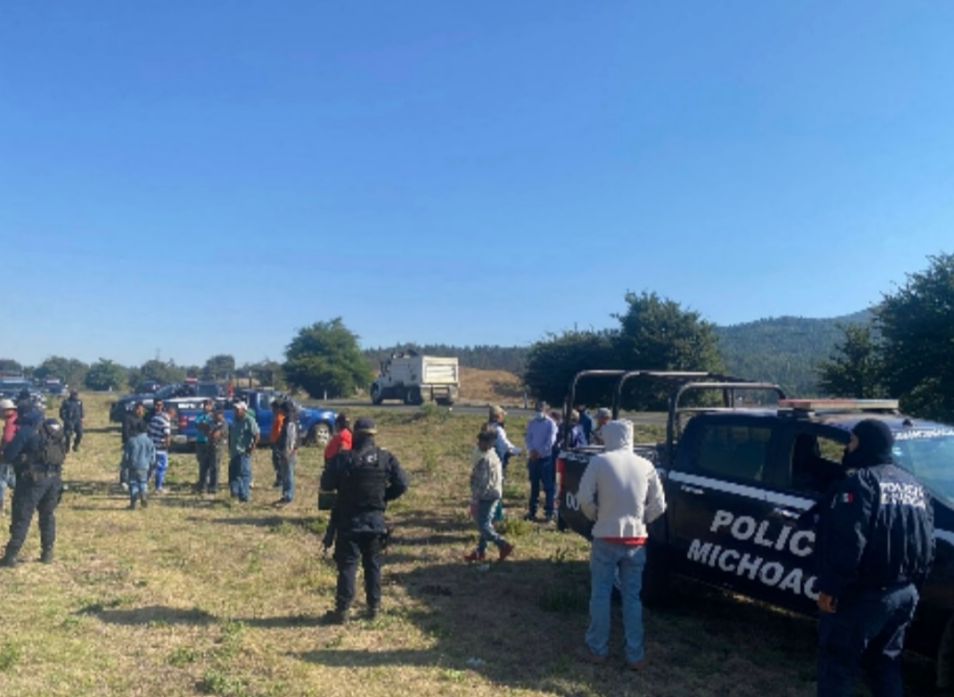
column 24, row 396
column 365, row 425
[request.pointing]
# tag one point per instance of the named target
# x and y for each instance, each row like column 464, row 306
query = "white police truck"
column 742, row 465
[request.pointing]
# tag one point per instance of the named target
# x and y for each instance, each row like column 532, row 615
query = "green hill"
column 786, row 350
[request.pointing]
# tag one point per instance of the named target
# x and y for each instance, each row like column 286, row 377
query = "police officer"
column 875, row 546
column 37, row 454
column 366, row 478
column 71, row 414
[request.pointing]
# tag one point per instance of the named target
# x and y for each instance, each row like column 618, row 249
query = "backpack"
column 50, row 450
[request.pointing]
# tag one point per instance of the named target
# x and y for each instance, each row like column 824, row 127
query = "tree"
column 551, row 365
column 326, row 356
column 219, row 367
column 70, row 370
column 8, row 365
column 854, row 369
column 917, row 330
column 106, row 375
column 658, row 334
column 165, row 373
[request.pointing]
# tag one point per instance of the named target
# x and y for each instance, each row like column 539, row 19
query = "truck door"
column 808, row 464
column 723, row 527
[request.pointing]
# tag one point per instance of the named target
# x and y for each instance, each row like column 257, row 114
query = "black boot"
column 46, row 556
column 9, row 560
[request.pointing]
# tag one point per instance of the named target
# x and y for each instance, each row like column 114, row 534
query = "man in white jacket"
column 622, row 493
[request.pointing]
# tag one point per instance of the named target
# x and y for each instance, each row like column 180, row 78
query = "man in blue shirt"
column 540, row 439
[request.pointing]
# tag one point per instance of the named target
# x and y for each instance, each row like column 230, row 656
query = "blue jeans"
column 605, row 559
column 7, row 479
column 162, row 465
column 138, row 481
column 867, row 632
column 240, row 476
column 485, row 525
column 542, row 472
column 288, row 477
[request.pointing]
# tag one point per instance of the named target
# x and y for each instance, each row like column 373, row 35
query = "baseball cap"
column 7, row 404
column 365, row 425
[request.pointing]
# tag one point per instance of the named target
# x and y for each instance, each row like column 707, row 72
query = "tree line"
column 903, row 346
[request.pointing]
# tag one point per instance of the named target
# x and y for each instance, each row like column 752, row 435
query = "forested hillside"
column 785, row 350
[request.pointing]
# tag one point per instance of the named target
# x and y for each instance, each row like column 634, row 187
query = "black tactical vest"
column 364, row 481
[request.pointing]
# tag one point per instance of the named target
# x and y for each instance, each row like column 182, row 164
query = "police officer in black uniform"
column 875, row 546
column 37, row 453
column 71, row 414
column 366, row 478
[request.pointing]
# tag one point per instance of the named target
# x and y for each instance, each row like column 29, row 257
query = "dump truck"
column 414, row 379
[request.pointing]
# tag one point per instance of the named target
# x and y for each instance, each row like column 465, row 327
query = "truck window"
column 815, row 462
column 734, row 451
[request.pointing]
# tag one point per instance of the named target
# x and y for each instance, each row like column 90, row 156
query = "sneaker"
column 160, row 491
column 505, row 551
column 587, row 656
column 474, row 556
column 131, row 506
column 124, row 485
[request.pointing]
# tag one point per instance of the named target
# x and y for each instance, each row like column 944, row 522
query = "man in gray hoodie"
column 622, row 493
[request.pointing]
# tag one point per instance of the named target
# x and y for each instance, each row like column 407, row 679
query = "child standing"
column 139, row 457
column 486, row 489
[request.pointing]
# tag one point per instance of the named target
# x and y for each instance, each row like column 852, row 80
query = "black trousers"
column 351, row 547
column 209, row 458
column 70, row 428
column 34, row 494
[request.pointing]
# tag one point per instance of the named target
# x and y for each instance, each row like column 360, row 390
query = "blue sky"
column 209, row 176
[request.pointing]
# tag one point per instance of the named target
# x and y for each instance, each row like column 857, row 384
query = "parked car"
column 176, row 396
column 738, row 479
column 147, row 387
column 315, row 425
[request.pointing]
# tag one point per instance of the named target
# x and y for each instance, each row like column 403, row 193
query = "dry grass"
column 490, row 386
column 198, row 596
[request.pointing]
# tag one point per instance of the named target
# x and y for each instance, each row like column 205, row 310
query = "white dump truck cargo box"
column 414, row 379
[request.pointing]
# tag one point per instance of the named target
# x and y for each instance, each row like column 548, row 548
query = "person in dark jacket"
column 366, row 478
column 131, row 421
column 38, row 460
column 875, row 546
column 72, row 415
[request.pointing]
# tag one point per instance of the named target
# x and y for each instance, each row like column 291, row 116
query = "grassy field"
column 199, row 596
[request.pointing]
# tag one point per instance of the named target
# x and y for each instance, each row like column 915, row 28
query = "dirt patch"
column 490, row 386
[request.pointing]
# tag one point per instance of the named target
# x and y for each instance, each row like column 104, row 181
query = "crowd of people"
column 873, row 547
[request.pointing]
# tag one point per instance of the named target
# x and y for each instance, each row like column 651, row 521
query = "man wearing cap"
column 204, row 450
column 603, row 417
column 366, row 478
column 8, row 412
column 243, row 437
column 37, row 453
column 71, row 414
column 875, row 545
column 540, row 439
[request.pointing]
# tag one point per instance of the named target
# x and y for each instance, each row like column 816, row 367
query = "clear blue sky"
column 209, row 176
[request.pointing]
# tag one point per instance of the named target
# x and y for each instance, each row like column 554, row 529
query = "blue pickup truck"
column 316, row 425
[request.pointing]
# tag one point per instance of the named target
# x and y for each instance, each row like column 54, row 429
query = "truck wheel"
column 319, row 435
column 656, row 577
column 376, row 395
column 413, row 396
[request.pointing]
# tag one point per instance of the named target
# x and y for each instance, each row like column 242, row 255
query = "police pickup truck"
column 741, row 465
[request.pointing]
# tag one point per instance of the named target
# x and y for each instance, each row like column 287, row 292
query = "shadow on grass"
column 160, row 614
column 520, row 624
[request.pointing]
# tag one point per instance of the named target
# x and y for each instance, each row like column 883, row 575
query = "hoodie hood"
column 618, row 435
